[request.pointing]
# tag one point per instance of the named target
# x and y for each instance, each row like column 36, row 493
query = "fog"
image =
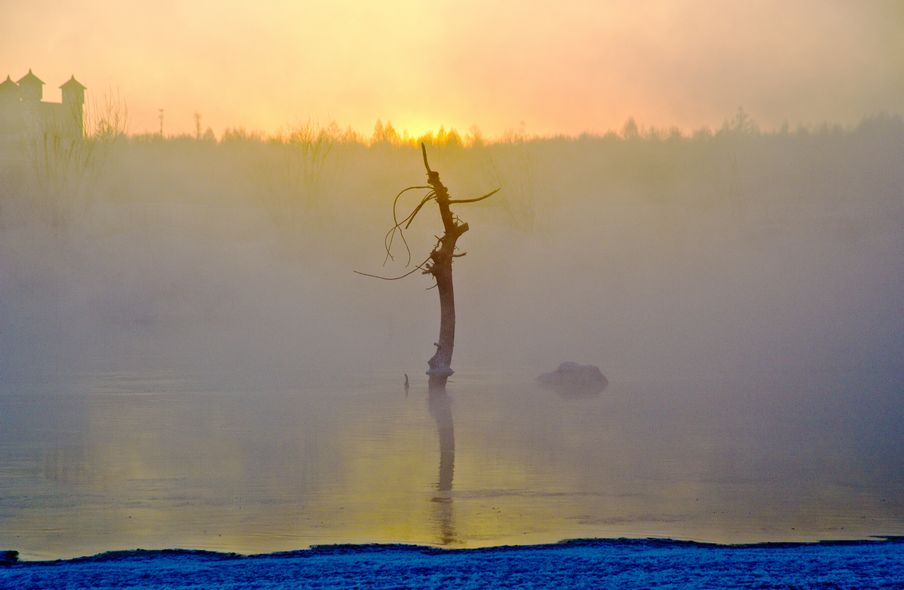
column 654, row 255
column 741, row 291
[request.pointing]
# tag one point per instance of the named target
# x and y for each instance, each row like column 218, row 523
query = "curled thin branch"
column 486, row 196
column 410, row 218
column 390, row 235
column 405, row 190
column 387, row 240
column 410, row 272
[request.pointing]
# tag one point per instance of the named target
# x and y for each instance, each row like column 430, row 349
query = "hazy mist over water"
column 665, row 257
column 742, row 292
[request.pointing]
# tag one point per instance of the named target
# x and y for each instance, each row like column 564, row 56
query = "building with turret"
column 25, row 116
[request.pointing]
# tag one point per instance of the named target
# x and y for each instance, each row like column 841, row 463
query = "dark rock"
column 9, row 557
column 575, row 379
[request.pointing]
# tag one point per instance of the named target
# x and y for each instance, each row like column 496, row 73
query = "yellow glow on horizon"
column 550, row 68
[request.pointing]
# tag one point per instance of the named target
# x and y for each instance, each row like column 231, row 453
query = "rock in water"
column 9, row 557
column 575, row 379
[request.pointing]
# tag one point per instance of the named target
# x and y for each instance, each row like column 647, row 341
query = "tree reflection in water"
column 441, row 410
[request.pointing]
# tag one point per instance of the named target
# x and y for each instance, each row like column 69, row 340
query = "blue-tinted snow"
column 573, row 564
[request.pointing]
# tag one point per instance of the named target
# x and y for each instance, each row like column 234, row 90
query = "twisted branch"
column 390, row 235
column 410, row 272
column 452, row 223
column 486, row 196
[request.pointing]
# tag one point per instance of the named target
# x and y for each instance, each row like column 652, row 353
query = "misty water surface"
column 121, row 461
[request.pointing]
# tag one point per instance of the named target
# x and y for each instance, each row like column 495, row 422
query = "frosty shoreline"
column 569, row 564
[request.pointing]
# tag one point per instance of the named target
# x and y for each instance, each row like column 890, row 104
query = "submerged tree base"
column 438, row 377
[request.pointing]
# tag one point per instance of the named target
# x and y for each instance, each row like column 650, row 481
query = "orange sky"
column 552, row 66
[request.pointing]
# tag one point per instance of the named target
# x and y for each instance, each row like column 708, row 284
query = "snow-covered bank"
column 571, row 564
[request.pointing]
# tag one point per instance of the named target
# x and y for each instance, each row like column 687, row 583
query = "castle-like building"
column 24, row 115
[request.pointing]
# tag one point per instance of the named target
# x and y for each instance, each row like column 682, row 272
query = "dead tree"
column 438, row 263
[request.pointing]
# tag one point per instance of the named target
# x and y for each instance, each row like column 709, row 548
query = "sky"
column 541, row 67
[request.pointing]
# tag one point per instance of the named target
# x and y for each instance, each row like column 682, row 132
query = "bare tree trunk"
column 440, row 266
